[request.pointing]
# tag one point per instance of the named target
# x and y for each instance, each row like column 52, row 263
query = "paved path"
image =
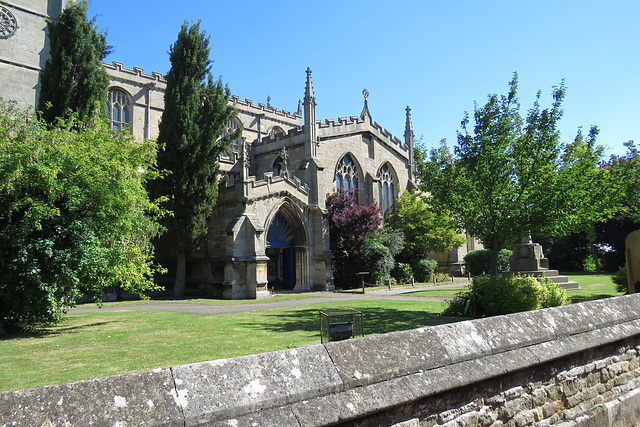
column 316, row 298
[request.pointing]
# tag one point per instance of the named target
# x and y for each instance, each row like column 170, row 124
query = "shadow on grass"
column 376, row 321
column 584, row 298
column 49, row 331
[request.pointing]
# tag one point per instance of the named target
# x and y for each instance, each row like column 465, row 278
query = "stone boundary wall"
column 576, row 365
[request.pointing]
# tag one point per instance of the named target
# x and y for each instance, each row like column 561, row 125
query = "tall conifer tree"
column 196, row 113
column 74, row 78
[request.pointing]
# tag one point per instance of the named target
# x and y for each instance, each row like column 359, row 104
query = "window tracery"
column 231, row 127
column 386, row 187
column 347, row 175
column 119, row 110
column 276, row 130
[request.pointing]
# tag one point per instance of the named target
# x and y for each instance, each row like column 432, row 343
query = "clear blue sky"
column 437, row 57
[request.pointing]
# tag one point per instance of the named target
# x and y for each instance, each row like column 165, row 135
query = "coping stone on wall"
column 143, row 398
column 625, row 410
column 516, row 331
column 353, row 403
column 396, row 353
column 462, row 341
column 228, row 388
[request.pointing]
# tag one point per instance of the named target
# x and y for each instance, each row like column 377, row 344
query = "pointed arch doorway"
column 285, row 247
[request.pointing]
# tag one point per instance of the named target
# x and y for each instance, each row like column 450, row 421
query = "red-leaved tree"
column 350, row 222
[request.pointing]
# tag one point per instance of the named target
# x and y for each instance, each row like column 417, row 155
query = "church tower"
column 24, row 46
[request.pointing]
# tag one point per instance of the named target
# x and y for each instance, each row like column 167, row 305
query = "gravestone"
column 632, row 255
column 528, row 259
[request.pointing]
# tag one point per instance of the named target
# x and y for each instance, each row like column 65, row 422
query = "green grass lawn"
column 594, row 286
column 448, row 292
column 91, row 345
column 208, row 301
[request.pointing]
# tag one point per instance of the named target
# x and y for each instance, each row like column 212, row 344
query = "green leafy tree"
column 425, row 229
column 196, row 113
column 509, row 177
column 625, row 170
column 378, row 252
column 74, row 215
column 74, row 78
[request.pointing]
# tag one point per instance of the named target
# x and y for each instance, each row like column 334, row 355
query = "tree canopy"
column 74, row 78
column 350, row 222
column 508, row 177
column 625, row 171
column 425, row 229
column 191, row 139
column 74, row 215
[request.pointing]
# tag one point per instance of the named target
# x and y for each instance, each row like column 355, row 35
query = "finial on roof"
column 408, row 129
column 308, row 94
column 409, row 143
column 268, row 101
column 299, row 112
column 365, row 109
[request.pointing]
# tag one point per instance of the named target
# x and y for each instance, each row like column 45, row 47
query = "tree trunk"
column 594, row 253
column 494, row 260
column 178, row 287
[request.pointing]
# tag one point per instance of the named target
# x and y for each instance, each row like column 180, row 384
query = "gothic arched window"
column 347, row 174
column 119, row 110
column 278, row 166
column 276, row 130
column 231, row 127
column 386, row 186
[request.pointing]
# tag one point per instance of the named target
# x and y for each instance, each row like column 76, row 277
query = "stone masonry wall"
column 576, row 365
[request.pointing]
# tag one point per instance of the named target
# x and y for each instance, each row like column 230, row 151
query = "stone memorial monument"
column 528, row 259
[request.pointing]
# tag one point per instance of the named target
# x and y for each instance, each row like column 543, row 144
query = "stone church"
column 269, row 229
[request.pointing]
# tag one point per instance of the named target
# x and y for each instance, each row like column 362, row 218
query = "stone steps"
column 553, row 275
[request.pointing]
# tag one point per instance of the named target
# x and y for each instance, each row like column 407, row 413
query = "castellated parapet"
column 355, row 124
column 117, row 70
column 268, row 111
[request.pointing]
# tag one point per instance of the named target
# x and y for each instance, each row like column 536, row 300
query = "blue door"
column 289, row 268
column 282, row 254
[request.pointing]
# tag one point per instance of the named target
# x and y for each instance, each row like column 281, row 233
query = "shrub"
column 423, row 269
column 494, row 296
column 589, row 264
column 621, row 280
column 378, row 260
column 478, row 262
column 402, row 272
column 554, row 295
column 441, row 277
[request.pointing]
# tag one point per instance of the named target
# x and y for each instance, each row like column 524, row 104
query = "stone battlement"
column 289, row 134
column 135, row 72
column 272, row 185
column 261, row 108
column 355, row 124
